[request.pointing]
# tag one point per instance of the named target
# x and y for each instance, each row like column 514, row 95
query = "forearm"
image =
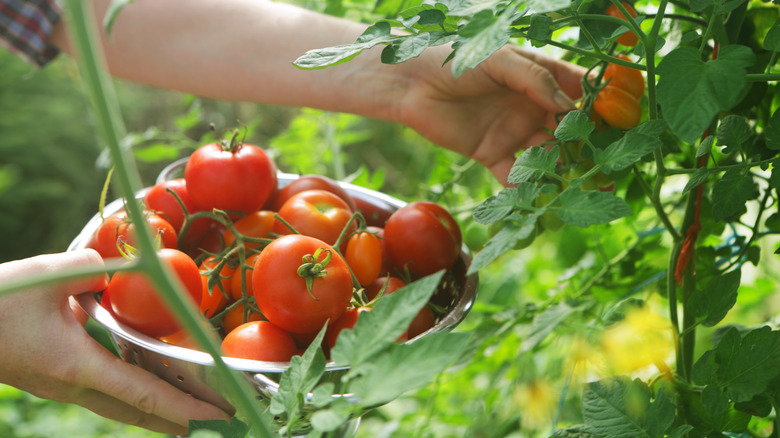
column 243, row 50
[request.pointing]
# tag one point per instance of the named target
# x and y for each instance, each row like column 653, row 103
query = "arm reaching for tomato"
column 243, row 50
column 47, row 352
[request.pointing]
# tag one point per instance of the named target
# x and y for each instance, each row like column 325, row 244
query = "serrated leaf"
column 391, row 375
column 772, row 38
column 733, row 131
column 746, row 364
column 698, row 177
column 533, row 163
column 479, row 38
column 378, row 329
column 711, row 303
column 622, row 407
column 578, row 431
column 705, row 146
column 691, row 92
column 545, row 322
column 325, row 57
column 504, row 240
column 496, row 207
column 634, row 145
column 730, row 193
column 299, row 379
column 586, row 208
column 329, row 420
column 574, row 126
column 406, row 48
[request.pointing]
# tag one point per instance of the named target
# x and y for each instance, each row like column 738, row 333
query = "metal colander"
column 194, row 372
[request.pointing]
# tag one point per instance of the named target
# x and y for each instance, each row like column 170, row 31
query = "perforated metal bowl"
column 194, row 372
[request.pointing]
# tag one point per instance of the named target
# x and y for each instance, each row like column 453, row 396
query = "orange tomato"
column 628, row 39
column 618, row 108
column 627, row 78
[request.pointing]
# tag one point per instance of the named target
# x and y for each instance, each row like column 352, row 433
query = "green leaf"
column 578, row 431
column 711, row 303
column 730, row 193
column 321, row 58
column 574, row 126
column 533, row 163
column 479, row 38
column 746, row 364
column 691, row 92
column 330, row 420
column 378, row 329
column 545, row 322
column 622, row 407
column 503, row 241
column 544, row 6
column 720, row 7
column 406, row 48
column 634, row 145
column 772, row 38
column 392, row 373
column 698, row 177
column 114, row 8
column 772, row 131
column 496, row 207
column 733, row 131
column 540, row 29
column 592, row 207
column 233, row 429
column 705, row 146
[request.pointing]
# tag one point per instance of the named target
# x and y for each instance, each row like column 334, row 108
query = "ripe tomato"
column 259, row 340
column 236, row 291
column 315, row 213
column 423, row 237
column 347, row 321
column 374, row 214
column 159, row 200
column 136, row 301
column 235, row 317
column 629, row 79
column 280, row 283
column 117, row 230
column 618, row 108
column 628, row 39
column 230, row 176
column 389, row 283
column 364, row 256
column 310, row 182
column 216, row 299
column 203, row 237
column 181, row 339
column 380, row 235
column 257, row 224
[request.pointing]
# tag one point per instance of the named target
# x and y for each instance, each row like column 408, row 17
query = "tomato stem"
column 311, row 268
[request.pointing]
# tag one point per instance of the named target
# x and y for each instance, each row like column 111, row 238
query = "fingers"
column 111, row 408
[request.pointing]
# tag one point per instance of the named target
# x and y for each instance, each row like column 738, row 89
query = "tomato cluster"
column 269, row 266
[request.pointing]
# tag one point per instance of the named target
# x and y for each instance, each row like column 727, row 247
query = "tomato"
column 628, row 39
column 380, row 235
column 257, row 224
column 204, row 237
column 311, row 182
column 389, row 283
column 374, row 214
column 230, row 176
column 626, row 78
column 117, row 230
column 315, row 213
column 281, row 291
column 235, row 281
column 159, row 200
column 549, row 219
column 235, row 317
column 259, row 340
column 422, row 322
column 364, row 256
column 618, row 108
column 423, row 237
column 137, row 303
column 216, row 299
column 347, row 320
column 181, row 339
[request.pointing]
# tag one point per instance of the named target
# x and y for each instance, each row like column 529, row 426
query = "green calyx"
column 311, row 268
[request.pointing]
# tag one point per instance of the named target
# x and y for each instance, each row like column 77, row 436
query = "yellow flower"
column 641, row 340
column 537, row 402
column 584, row 361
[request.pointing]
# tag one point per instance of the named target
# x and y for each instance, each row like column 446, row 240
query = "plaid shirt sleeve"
column 25, row 26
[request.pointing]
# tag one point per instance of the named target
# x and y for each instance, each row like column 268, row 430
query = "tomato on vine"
column 626, row 78
column 618, row 108
column 258, row 224
column 628, row 39
column 215, row 298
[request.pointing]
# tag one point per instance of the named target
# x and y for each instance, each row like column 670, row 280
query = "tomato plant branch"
column 656, row 203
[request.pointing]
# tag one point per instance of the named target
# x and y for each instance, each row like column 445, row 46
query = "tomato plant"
column 628, row 38
column 625, row 78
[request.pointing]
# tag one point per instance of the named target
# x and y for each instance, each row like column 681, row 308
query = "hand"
column 47, row 352
column 492, row 112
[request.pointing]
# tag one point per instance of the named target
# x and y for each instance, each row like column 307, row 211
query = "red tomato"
column 628, row 39
column 311, row 182
column 230, row 176
column 136, row 301
column 364, row 256
column 618, row 108
column 159, row 200
column 281, row 290
column 203, row 237
column 181, row 339
column 259, row 340
column 374, row 214
column 629, row 79
column 117, row 230
column 215, row 300
column 235, row 317
column 424, row 321
column 315, row 213
column 257, row 224
column 347, row 320
column 423, row 237
column 235, row 282
column 389, row 283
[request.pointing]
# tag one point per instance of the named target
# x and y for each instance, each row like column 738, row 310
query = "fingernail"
column 563, row 100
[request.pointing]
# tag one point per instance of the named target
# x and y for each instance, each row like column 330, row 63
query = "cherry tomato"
column 257, row 224
column 159, row 200
column 618, row 108
column 280, row 283
column 235, row 317
column 311, row 182
column 628, row 39
column 117, row 230
column 230, row 176
column 136, row 301
column 424, row 321
column 235, row 282
column 216, row 299
column 389, row 283
column 315, row 213
column 423, row 237
column 629, row 79
column 380, row 235
column 259, row 340
column 364, row 256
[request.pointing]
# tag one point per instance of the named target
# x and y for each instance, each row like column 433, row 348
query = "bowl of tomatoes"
column 327, row 249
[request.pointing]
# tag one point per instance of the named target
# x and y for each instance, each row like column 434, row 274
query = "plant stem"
column 659, row 208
